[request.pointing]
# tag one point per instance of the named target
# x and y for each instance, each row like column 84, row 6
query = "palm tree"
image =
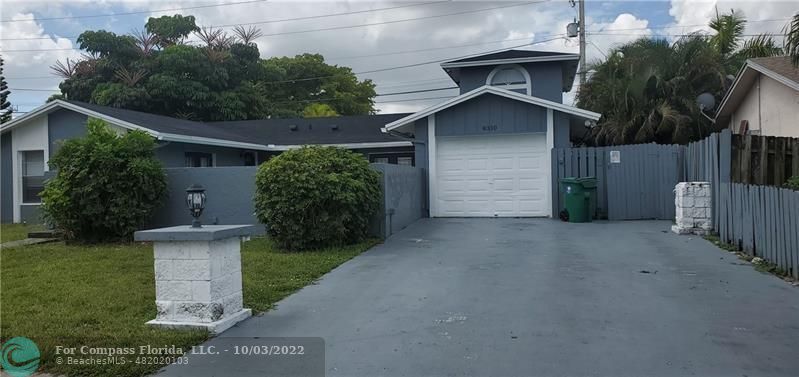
column 647, row 89
column 792, row 39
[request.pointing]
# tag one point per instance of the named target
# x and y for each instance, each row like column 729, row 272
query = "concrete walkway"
column 535, row 297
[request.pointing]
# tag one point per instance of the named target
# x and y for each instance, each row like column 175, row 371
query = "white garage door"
column 488, row 176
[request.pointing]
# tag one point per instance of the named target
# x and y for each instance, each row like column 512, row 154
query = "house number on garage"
column 490, row 128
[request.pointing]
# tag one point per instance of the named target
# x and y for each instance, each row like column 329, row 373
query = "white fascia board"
column 735, row 85
column 492, row 90
column 379, row 144
column 46, row 108
column 510, row 61
column 209, row 141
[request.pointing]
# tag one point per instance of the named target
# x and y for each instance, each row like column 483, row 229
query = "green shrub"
column 106, row 185
column 793, row 183
column 316, row 197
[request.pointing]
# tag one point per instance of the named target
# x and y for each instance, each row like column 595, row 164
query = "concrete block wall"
column 198, row 281
column 693, row 208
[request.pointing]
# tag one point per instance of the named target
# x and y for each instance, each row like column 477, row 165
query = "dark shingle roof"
column 350, row 129
column 780, row 65
column 510, row 54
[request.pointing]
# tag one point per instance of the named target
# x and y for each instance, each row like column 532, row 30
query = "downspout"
column 759, row 110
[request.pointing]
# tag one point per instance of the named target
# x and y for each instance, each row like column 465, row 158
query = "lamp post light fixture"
column 195, row 200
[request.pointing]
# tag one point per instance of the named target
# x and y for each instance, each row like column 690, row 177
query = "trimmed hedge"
column 106, row 185
column 316, row 197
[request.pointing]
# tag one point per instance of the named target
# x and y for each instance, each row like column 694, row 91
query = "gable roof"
column 362, row 131
column 487, row 89
column 509, row 57
column 778, row 68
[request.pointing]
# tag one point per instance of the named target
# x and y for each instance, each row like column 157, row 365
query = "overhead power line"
column 356, row 73
column 338, row 14
column 136, row 12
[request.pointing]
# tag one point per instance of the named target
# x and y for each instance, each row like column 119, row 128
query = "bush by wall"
column 793, row 183
column 316, row 197
column 106, row 185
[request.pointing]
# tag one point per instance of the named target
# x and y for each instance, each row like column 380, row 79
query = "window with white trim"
column 32, row 176
column 199, row 160
column 510, row 77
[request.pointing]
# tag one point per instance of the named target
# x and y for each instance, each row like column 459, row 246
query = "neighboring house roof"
column 778, row 68
column 361, row 131
column 486, row 89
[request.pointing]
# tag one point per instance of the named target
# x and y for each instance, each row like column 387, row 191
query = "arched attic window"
column 511, row 77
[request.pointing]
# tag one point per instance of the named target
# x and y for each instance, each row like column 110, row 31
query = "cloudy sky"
column 365, row 35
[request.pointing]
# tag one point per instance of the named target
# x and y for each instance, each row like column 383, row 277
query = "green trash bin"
column 579, row 198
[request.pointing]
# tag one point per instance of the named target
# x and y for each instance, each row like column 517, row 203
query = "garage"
column 492, row 176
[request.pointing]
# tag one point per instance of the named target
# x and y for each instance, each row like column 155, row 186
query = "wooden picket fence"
column 762, row 221
column 764, row 160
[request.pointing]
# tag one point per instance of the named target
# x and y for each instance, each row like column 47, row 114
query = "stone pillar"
column 693, row 205
column 198, row 276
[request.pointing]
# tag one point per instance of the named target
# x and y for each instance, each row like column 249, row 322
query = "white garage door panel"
column 487, row 176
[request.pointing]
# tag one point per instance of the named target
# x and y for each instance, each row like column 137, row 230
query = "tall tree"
column 222, row 78
column 647, row 89
column 318, row 110
column 792, row 39
column 5, row 105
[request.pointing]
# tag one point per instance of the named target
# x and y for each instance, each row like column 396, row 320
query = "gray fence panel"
column 763, row 221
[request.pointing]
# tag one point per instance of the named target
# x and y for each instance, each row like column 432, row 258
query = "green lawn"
column 14, row 232
column 101, row 296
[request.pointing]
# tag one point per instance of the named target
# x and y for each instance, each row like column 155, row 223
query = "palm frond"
column 759, row 46
column 145, row 42
column 247, row 35
column 130, row 78
column 64, row 70
column 792, row 39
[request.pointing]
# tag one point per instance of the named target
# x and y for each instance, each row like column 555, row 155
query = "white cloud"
column 763, row 16
column 19, row 66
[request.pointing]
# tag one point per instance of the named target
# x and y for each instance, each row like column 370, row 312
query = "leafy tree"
column 5, row 106
column 106, row 185
column 647, row 89
column 170, row 30
column 224, row 78
column 306, row 78
column 318, row 110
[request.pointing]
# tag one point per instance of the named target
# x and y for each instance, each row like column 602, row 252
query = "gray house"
column 30, row 140
column 487, row 152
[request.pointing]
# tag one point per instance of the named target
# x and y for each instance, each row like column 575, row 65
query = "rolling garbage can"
column 579, row 198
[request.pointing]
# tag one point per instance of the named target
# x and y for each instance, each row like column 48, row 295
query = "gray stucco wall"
column 173, row 155
column 562, row 130
column 491, row 114
column 63, row 125
column 546, row 77
column 6, row 179
column 403, row 198
column 30, row 213
column 229, row 190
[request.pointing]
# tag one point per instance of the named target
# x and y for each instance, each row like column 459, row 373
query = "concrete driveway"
column 536, row 297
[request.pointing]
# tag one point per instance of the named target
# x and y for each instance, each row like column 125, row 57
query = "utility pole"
column 582, row 67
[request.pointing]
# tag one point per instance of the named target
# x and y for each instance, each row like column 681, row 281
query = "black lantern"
column 195, row 200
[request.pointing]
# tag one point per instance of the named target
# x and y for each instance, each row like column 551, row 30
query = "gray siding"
column 6, row 179
column 491, row 114
column 562, row 130
column 547, row 79
column 173, row 155
column 230, row 192
column 64, row 125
